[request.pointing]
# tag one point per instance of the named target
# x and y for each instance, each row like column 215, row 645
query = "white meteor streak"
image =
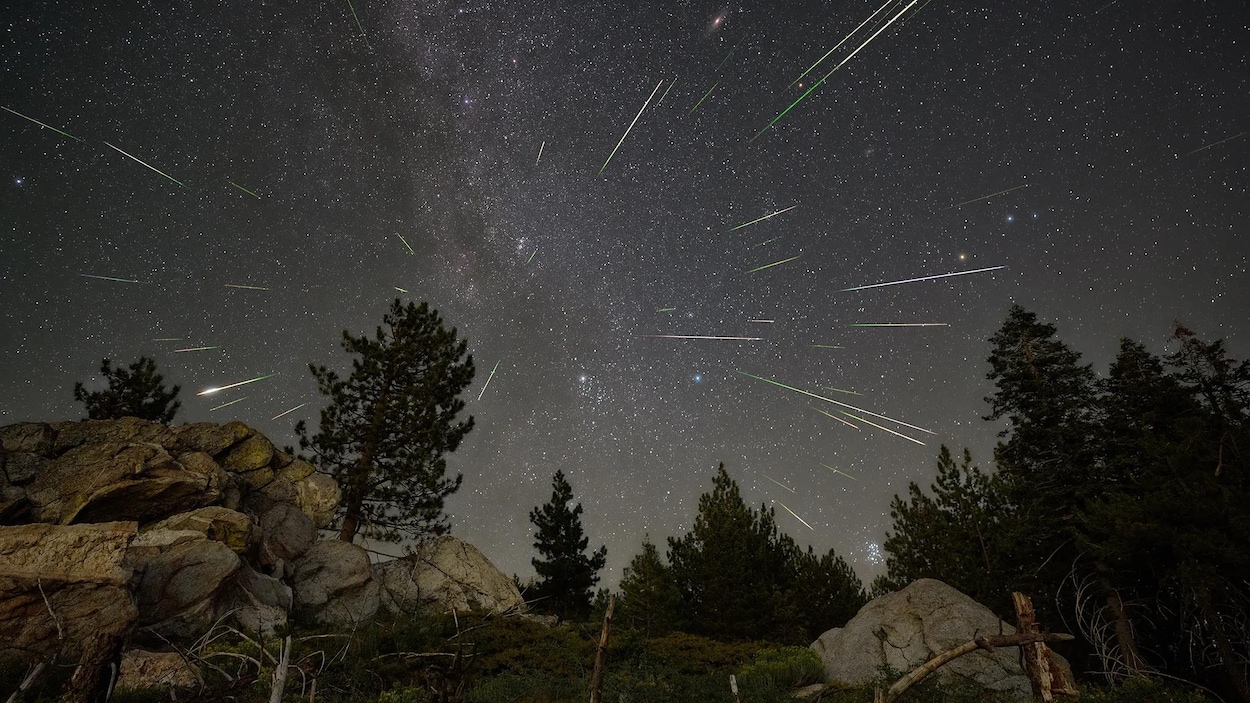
column 887, row 429
column 835, row 402
column 835, row 417
column 796, row 516
column 540, row 153
column 488, row 378
column 288, row 412
column 175, row 180
column 779, row 483
column 924, row 278
column 631, row 126
column 702, row 336
column 209, row 391
column 836, row 471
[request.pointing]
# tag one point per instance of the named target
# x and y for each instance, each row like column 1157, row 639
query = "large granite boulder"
column 903, row 630
column 257, row 603
column 318, row 496
column 334, row 585
column 446, row 574
column 230, row 527
column 179, row 587
column 77, row 573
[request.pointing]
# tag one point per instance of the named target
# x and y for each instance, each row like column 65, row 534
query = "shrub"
column 786, row 667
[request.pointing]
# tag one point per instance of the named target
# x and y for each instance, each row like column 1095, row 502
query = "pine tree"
column 133, row 391
column 385, row 432
column 566, row 574
column 828, row 591
column 951, row 533
column 649, row 597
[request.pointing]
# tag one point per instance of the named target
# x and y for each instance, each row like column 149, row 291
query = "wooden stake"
column 601, row 656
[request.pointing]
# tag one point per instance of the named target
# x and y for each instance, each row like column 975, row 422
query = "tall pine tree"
column 133, row 391
column 649, row 597
column 388, row 425
column 567, row 576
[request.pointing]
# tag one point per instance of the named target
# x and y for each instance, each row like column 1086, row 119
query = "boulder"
column 78, row 572
column 219, row 524
column 209, row 437
column 258, row 603
column 125, row 430
column 178, row 588
column 446, row 573
column 285, row 534
column 318, row 496
column 32, row 437
column 334, row 585
column 249, row 455
column 142, row 670
column 903, row 630
column 20, row 468
column 99, row 482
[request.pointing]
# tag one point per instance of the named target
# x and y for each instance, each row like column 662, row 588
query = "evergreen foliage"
column 387, row 427
column 133, row 391
column 649, row 597
column 950, row 534
column 566, row 574
column 740, row 577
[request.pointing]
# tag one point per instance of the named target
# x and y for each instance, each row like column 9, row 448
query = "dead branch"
column 27, row 683
column 279, row 674
column 987, row 642
column 601, row 655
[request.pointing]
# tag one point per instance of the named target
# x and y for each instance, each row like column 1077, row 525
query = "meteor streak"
column 531, row 256
column 900, row 324
column 488, row 378
column 709, row 92
column 779, row 483
column 405, row 241
column 887, row 429
column 358, row 25
column 167, row 339
column 839, row 390
column 665, row 95
column 762, row 321
column 209, row 391
column 540, row 153
column 191, row 349
column 109, row 278
column 666, row 309
column 818, row 83
column 828, row 346
column 631, row 126
column 245, row 287
column 1195, row 151
column 761, row 219
column 401, row 290
column 835, row 417
column 984, row 197
column 245, row 190
column 46, row 126
column 923, row 278
column 288, row 412
column 175, row 180
column 839, row 44
column 836, row 471
column 796, row 516
column 700, row 336
column 767, row 241
column 831, row 400
column 219, row 407
column 775, row 263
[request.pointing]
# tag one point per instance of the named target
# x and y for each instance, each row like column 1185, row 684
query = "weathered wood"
column 27, row 683
column 1036, row 663
column 97, row 671
column 733, row 687
column 601, row 656
column 987, row 642
column 279, row 673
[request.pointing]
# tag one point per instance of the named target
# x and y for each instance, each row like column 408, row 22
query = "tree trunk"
column 601, row 656
column 98, row 670
column 1036, row 663
column 359, row 479
column 1124, row 637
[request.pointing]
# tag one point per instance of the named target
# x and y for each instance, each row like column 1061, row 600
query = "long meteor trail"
column 705, row 95
column 761, row 219
column 488, row 378
column 232, row 402
column 835, row 417
column 887, row 429
column 796, row 516
column 45, row 126
column 900, row 324
column 775, row 263
column 836, row 471
column 405, row 241
column 140, row 161
column 109, row 278
column 194, row 349
column 245, row 287
column 824, row 78
column 986, row 197
column 779, row 483
column 288, row 412
column 631, row 126
column 210, row 391
column 245, row 190
column 923, row 278
column 702, row 336
column 839, row 44
column 1195, row 151
column 831, row 400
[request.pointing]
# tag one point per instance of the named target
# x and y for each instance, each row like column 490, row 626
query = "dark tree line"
column 1119, row 501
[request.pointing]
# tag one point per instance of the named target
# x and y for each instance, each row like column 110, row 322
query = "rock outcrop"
column 446, row 573
column 903, row 630
column 334, row 585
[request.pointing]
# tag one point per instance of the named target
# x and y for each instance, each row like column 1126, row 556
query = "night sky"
column 1118, row 128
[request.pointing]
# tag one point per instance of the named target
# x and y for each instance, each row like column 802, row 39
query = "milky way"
column 320, row 158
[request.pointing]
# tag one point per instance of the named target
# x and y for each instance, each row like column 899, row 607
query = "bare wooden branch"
column 601, row 656
column 987, row 642
column 733, row 688
column 27, row 683
column 279, row 674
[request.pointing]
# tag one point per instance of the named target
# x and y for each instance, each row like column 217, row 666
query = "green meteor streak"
column 666, row 309
column 110, row 278
column 405, row 241
column 770, row 241
column 839, row 390
column 831, row 400
column 219, row 407
column 775, row 263
column 167, row 339
column 631, row 126
column 836, row 471
column 818, row 83
column 828, row 346
column 531, row 256
column 730, row 54
column 1195, row 151
column 709, row 92
column 209, row 391
column 46, row 126
column 761, row 219
column 245, row 287
column 175, row 180
column 245, row 190
column 835, row 417
column 358, row 25
column 665, row 95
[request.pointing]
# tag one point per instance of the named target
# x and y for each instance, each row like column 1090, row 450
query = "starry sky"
column 315, row 157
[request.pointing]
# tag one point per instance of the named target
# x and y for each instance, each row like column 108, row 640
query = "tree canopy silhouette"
column 133, row 391
column 566, row 574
